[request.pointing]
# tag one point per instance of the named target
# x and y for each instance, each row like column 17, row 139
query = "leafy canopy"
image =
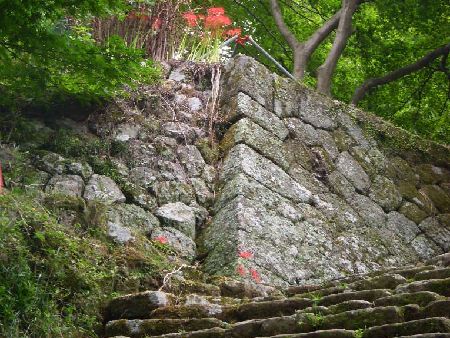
column 387, row 35
column 47, row 53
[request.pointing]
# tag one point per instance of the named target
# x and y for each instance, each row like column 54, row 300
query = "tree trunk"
column 361, row 91
column 302, row 51
column 326, row 70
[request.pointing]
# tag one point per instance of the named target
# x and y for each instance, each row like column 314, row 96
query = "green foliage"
column 387, row 36
column 54, row 279
column 359, row 333
column 314, row 319
column 45, row 56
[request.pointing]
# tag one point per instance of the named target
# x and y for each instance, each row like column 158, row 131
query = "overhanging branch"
column 361, row 91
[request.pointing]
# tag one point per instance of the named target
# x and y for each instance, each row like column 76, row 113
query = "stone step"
column 439, row 286
column 421, row 298
column 433, row 274
column 414, row 327
column 350, row 320
column 137, row 328
column 368, row 295
column 216, row 332
column 428, row 335
column 138, row 305
column 260, row 310
column 336, row 333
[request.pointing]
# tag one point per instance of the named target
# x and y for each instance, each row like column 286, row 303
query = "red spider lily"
column 156, row 25
column 240, row 269
column 255, row 275
column 161, row 239
column 216, row 11
column 201, row 17
column 233, row 32
column 217, row 21
column 242, row 40
column 190, row 18
column 245, row 254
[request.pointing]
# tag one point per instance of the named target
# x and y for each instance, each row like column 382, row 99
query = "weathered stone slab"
column 247, row 132
column 103, row 189
column 137, row 305
column 192, row 160
column 303, row 131
column 353, row 171
column 436, row 231
column 179, row 216
column 125, row 220
column 242, row 159
column 315, row 111
column 243, row 106
column 68, row 185
column 401, row 225
column 176, row 240
column 384, row 192
column 242, row 74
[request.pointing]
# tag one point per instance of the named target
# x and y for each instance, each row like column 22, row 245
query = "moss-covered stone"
column 369, row 295
column 413, row 327
column 438, row 196
column 59, row 201
column 352, row 320
column 413, row 212
column 154, row 327
column 210, row 151
column 421, row 298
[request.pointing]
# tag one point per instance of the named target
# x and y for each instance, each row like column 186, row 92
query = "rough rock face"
column 411, row 301
column 153, row 183
column 311, row 189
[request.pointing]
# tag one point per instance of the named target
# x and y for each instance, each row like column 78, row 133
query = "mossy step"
column 428, row 335
column 421, row 298
column 386, row 281
column 441, row 260
column 433, row 274
column 187, row 311
column 350, row 320
column 414, row 327
column 319, row 292
column 336, row 333
column 341, row 307
column 440, row 308
column 440, row 286
column 368, row 295
column 138, row 305
column 215, row 332
column 410, row 273
column 264, row 327
column 260, row 310
column 137, row 328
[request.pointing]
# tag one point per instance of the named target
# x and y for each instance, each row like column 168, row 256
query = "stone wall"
column 154, row 182
column 312, row 189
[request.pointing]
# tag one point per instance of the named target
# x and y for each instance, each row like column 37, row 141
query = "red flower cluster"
column 245, row 254
column 161, row 239
column 191, row 19
column 215, row 18
column 240, row 269
column 255, row 275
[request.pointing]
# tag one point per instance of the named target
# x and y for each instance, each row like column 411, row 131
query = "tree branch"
column 326, row 70
column 283, row 28
column 361, row 91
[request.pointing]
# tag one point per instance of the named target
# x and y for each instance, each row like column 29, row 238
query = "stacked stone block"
column 316, row 190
